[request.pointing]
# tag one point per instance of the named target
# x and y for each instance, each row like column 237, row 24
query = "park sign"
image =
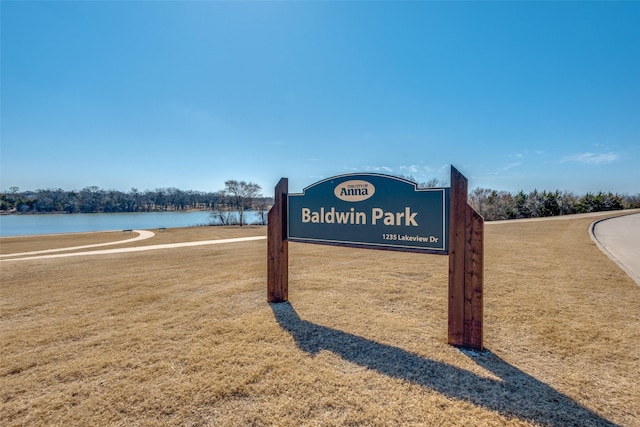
column 386, row 212
column 370, row 210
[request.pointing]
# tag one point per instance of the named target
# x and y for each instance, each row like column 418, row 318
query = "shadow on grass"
column 516, row 394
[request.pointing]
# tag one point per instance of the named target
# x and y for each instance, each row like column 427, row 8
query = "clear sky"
column 516, row 95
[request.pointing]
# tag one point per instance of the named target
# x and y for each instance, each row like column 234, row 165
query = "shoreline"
column 14, row 212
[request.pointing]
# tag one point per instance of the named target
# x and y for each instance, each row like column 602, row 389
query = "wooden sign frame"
column 466, row 261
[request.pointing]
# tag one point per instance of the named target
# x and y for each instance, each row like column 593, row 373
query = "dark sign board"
column 371, row 210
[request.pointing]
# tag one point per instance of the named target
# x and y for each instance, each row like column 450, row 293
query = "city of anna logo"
column 354, row 190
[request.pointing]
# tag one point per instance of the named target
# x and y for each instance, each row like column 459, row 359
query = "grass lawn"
column 185, row 336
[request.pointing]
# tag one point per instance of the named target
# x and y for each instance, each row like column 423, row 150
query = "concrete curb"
column 603, row 248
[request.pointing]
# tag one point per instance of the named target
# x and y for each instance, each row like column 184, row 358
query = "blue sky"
column 516, row 95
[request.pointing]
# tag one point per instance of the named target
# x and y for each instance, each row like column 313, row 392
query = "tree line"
column 497, row 205
column 95, row 200
column 229, row 204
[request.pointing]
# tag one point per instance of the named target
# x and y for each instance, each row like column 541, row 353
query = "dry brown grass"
column 9, row 245
column 185, row 336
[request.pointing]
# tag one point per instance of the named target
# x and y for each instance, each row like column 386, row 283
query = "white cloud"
column 410, row 169
column 526, row 154
column 511, row 165
column 417, row 171
column 378, row 169
column 592, row 158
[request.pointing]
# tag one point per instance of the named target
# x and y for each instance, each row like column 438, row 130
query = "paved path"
column 139, row 248
column 619, row 238
column 142, row 235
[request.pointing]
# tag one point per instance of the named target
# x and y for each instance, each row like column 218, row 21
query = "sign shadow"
column 515, row 394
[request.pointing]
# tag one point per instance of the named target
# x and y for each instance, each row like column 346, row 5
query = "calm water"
column 20, row 225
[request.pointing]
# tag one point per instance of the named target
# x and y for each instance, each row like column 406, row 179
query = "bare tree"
column 241, row 195
column 263, row 206
column 432, row 183
column 221, row 215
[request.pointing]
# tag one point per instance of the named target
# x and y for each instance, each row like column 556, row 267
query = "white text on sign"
column 353, row 217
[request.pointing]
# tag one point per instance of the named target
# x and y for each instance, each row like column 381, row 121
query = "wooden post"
column 457, row 219
column 474, row 279
column 466, row 263
column 278, row 246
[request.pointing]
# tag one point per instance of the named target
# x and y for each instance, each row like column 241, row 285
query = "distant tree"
column 567, row 203
column 50, row 200
column 533, row 205
column 5, row 205
column 262, row 205
column 73, row 204
column 550, row 205
column 25, row 202
column 223, row 217
column 160, row 199
column 630, row 201
column 492, row 204
column 8, row 201
column 599, row 202
column 241, row 195
column 91, row 199
column 133, row 200
column 518, row 205
column 407, row 177
column 478, row 200
column 432, row 183
column 221, row 213
column 116, row 201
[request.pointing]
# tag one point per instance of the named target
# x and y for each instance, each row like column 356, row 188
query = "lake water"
column 21, row 225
